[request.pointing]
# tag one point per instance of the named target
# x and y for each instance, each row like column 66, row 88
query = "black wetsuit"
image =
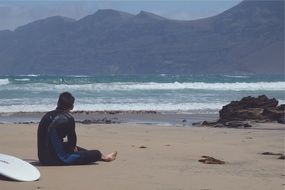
column 52, row 150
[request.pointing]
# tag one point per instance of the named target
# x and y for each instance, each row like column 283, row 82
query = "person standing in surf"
column 57, row 125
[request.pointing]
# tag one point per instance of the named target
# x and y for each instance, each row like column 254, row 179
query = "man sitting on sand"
column 52, row 130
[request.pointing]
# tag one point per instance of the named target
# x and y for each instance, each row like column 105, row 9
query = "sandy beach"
column 158, row 157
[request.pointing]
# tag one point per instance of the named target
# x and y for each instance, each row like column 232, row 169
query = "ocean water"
column 174, row 93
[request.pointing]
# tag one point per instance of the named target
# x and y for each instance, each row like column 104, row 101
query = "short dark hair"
column 65, row 101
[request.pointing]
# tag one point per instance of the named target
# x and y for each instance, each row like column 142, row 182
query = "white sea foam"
column 79, row 76
column 28, row 75
column 186, row 107
column 26, row 108
column 236, row 76
column 32, row 75
column 4, row 81
column 24, row 79
column 151, row 106
column 207, row 86
column 118, row 86
column 179, row 86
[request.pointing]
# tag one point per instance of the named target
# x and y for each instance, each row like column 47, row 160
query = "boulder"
column 237, row 114
column 250, row 108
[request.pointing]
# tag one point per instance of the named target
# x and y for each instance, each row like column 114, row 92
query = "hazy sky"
column 20, row 12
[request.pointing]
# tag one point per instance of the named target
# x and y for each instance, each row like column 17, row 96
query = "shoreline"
column 111, row 117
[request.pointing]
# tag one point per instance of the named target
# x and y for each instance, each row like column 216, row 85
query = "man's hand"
column 75, row 149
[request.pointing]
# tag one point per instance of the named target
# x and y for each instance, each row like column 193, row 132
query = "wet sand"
column 158, row 158
column 123, row 117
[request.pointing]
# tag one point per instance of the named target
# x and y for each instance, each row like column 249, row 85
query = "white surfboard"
column 17, row 169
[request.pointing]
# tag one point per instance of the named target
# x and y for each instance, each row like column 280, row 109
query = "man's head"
column 65, row 101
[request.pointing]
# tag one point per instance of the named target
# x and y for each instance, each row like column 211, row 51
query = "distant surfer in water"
column 54, row 127
column 62, row 81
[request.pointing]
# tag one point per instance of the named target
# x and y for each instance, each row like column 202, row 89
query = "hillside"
column 248, row 38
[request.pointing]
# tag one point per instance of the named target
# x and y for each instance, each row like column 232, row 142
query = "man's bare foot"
column 109, row 157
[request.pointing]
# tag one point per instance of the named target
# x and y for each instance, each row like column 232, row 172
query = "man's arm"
column 71, row 136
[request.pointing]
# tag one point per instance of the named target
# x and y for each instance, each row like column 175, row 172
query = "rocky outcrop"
column 251, row 108
column 239, row 113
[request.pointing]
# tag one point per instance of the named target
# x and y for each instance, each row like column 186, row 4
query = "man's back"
column 63, row 123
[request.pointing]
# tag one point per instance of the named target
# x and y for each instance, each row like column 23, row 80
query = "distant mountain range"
column 248, row 38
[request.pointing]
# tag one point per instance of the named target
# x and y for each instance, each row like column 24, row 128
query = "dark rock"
column 281, row 120
column 150, row 112
column 262, row 121
column 87, row 121
column 26, row 122
column 99, row 121
column 282, row 157
column 219, row 125
column 250, row 108
column 209, row 122
column 237, row 124
column 234, row 124
column 113, row 112
column 211, row 160
column 197, row 124
column 281, row 107
column 246, row 125
column 271, row 153
column 275, row 113
column 229, row 124
column 238, row 114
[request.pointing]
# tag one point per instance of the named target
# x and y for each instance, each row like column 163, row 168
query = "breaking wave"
column 128, row 86
column 4, row 81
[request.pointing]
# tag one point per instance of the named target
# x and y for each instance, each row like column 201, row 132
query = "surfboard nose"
column 17, row 169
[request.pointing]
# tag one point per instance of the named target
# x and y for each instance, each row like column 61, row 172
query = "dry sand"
column 169, row 160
